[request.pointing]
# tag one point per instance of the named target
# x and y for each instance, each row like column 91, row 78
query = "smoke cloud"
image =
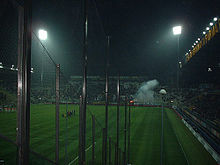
column 145, row 93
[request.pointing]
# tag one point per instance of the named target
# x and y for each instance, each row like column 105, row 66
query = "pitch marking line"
column 78, row 156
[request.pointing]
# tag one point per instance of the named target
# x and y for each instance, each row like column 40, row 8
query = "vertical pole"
column 119, row 156
column 20, row 83
column 110, row 152
column 66, row 138
column 24, row 78
column 93, row 140
column 118, row 116
column 116, row 149
column 125, row 131
column 80, row 129
column 42, row 68
column 177, row 77
column 103, row 145
column 124, row 157
column 82, row 140
column 106, row 97
column 161, row 141
column 57, row 111
column 129, row 125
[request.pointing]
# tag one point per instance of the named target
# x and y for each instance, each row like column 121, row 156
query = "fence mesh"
column 8, row 81
column 44, row 58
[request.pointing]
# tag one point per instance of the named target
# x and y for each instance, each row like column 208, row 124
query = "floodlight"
column 204, row 32
column 12, row 67
column 210, row 23
column 209, row 69
column 198, row 39
column 1, row 66
column 42, row 34
column 215, row 19
column 207, row 28
column 32, row 70
column 177, row 30
column 192, row 46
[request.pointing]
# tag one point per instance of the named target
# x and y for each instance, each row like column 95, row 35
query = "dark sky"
column 142, row 42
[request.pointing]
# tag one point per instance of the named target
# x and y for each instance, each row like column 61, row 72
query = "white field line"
column 182, row 148
column 78, row 156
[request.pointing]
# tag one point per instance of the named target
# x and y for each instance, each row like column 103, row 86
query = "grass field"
column 179, row 145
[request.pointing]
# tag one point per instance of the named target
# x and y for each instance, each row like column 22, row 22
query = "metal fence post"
column 125, row 131
column 118, row 116
column 119, row 156
column 110, row 152
column 82, row 129
column 93, row 139
column 129, row 125
column 66, row 136
column 106, row 98
column 24, row 78
column 116, row 154
column 124, row 158
column 103, row 145
column 57, row 111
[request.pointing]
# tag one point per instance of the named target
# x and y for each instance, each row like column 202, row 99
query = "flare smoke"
column 145, row 93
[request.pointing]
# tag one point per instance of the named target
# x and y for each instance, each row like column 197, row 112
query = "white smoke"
column 145, row 93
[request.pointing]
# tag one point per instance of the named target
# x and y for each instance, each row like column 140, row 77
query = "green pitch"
column 179, row 145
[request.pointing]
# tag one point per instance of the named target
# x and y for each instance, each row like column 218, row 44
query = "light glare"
column 207, row 28
column 177, row 30
column 211, row 24
column 42, row 34
column 215, row 19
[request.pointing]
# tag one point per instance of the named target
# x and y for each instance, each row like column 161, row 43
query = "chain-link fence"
column 52, row 130
column 8, row 81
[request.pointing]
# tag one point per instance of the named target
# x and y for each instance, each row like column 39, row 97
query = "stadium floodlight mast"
column 177, row 30
column 42, row 34
column 163, row 92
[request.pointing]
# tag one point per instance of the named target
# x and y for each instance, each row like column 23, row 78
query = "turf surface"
column 179, row 145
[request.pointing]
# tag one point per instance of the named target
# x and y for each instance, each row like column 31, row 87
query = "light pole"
column 177, row 32
column 162, row 93
column 42, row 34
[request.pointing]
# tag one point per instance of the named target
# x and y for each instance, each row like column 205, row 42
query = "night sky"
column 142, row 42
